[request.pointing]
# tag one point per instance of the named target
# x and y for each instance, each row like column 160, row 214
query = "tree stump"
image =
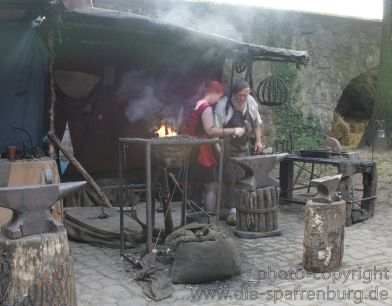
column 257, row 212
column 37, row 270
column 324, row 235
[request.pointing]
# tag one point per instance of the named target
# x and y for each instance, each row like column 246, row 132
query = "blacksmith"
column 238, row 110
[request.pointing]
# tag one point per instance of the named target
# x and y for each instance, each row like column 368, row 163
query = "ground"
column 273, row 266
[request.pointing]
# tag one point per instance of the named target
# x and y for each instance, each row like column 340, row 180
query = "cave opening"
column 354, row 108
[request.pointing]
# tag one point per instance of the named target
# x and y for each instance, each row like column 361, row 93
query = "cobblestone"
column 103, row 278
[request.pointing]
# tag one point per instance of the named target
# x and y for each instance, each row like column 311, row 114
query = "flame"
column 166, row 131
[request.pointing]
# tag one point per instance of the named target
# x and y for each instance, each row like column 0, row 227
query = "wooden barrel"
column 324, row 236
column 257, row 212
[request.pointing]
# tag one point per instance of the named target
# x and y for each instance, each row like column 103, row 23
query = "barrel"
column 257, row 212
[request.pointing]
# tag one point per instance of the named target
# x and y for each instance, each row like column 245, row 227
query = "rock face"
column 340, row 48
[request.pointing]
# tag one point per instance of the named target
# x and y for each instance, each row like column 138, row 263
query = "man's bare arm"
column 258, row 143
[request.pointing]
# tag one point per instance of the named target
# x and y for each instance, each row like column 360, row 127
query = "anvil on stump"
column 257, row 170
column 30, row 206
column 325, row 216
column 36, row 266
column 327, row 187
column 257, row 197
column 49, row 278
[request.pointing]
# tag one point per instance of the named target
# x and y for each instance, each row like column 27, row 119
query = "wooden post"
column 286, row 176
column 369, row 189
column 345, row 187
column 324, row 236
column 52, row 100
column 37, row 270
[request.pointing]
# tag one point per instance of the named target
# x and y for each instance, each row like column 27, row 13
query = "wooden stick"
column 51, row 112
column 80, row 168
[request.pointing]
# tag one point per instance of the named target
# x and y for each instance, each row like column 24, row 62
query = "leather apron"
column 239, row 146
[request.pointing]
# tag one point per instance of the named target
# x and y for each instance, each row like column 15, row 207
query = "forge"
column 165, row 151
column 172, row 151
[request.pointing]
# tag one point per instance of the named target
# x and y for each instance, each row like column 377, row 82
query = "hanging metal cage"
column 272, row 91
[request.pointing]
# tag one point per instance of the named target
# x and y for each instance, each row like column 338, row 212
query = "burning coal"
column 166, row 131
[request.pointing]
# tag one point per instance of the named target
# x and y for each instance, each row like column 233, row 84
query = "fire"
column 166, row 131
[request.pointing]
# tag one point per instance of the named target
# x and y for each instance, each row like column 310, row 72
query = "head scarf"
column 238, row 86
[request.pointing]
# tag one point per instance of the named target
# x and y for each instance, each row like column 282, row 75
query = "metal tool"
column 257, row 170
column 49, row 176
column 30, row 206
column 326, row 188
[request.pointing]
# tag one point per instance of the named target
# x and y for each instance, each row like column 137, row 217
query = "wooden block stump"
column 37, row 270
column 257, row 212
column 324, row 236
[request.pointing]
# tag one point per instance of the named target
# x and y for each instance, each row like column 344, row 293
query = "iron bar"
column 218, row 197
column 297, row 188
column 302, row 167
column 359, row 200
column 149, row 206
column 121, row 197
column 185, row 193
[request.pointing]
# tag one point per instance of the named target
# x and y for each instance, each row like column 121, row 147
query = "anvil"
column 30, row 206
column 257, row 170
column 326, row 188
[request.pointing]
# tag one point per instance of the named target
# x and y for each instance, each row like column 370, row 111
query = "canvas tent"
column 23, row 75
column 118, row 75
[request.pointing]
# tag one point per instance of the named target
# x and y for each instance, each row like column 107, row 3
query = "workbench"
column 347, row 167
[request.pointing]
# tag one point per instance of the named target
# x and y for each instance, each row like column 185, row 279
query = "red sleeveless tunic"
column 194, row 127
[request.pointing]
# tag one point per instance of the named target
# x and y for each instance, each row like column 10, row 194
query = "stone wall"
column 340, row 48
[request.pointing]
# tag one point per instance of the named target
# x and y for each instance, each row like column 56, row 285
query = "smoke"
column 209, row 22
column 144, row 106
column 147, row 98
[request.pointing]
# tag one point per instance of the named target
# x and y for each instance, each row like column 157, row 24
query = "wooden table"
column 347, row 167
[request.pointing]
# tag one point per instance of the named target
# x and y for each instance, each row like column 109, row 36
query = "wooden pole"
column 52, row 104
column 80, row 168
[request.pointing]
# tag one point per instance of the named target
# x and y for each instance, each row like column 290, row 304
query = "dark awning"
column 14, row 10
column 94, row 24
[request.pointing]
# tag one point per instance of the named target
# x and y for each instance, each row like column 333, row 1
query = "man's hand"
column 258, row 147
column 238, row 132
